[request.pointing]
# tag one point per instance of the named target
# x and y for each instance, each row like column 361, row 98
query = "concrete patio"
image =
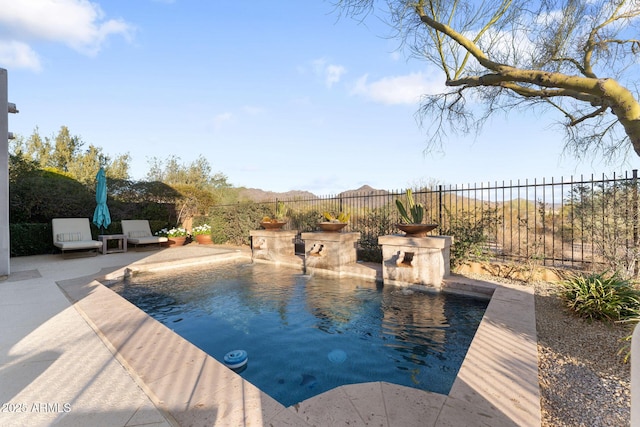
column 73, row 353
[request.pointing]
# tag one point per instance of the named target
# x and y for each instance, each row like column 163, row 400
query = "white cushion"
column 138, row 233
column 69, row 237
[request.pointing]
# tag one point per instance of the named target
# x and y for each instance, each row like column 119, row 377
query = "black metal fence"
column 585, row 223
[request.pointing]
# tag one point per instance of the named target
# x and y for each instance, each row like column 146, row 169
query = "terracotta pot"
column 416, row 230
column 177, row 241
column 203, row 239
column 273, row 225
column 332, row 226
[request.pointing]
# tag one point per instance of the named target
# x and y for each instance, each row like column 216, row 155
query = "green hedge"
column 31, row 239
column 232, row 224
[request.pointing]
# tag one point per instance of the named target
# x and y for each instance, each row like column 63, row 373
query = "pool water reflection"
column 305, row 335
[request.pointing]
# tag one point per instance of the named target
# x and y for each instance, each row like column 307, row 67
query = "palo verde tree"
column 579, row 57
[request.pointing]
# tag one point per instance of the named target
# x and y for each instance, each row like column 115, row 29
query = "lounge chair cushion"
column 73, row 233
column 138, row 232
column 69, row 237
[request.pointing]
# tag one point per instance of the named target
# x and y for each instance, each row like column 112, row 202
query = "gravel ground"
column 584, row 381
column 583, row 378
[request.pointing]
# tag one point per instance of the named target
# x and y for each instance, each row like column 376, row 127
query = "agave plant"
column 415, row 212
column 601, row 296
column 341, row 217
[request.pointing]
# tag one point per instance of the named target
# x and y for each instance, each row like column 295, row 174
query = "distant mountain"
column 364, row 190
column 367, row 196
column 371, row 195
column 257, row 195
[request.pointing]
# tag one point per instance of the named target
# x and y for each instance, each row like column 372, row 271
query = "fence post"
column 635, row 220
column 440, row 205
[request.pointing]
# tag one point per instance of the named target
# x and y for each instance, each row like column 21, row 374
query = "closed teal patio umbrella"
column 101, row 216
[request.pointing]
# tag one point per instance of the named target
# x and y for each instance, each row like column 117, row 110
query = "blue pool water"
column 305, row 335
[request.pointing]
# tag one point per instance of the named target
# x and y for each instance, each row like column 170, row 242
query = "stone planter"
column 332, row 227
column 203, row 239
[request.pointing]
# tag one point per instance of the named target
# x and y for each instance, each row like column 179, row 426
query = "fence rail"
column 584, row 223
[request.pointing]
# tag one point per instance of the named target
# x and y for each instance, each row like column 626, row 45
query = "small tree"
column 65, row 153
column 198, row 189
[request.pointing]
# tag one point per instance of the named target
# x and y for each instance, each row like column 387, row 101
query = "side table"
column 122, row 243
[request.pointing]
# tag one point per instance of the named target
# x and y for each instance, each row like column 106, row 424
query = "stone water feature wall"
column 415, row 260
column 332, row 252
column 406, row 260
column 274, row 246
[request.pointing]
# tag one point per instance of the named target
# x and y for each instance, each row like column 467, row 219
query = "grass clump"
column 601, row 296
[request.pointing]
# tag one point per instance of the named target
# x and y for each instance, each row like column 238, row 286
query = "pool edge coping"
column 497, row 381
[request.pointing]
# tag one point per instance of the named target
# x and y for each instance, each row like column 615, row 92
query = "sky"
column 283, row 95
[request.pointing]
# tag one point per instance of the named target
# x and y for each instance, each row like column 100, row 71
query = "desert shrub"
column 470, row 231
column 375, row 223
column 369, row 250
column 304, row 221
column 601, row 296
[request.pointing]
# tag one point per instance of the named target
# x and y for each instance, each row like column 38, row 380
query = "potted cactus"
column 277, row 221
column 333, row 222
column 413, row 215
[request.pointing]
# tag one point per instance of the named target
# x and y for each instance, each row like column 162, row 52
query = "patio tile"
column 411, row 407
column 456, row 413
column 368, row 400
column 327, row 409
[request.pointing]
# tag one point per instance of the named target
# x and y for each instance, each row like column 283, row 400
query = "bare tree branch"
column 569, row 55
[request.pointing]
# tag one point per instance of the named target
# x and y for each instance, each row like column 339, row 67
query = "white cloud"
column 14, row 54
column 221, row 119
column 399, row 89
column 330, row 73
column 79, row 24
column 333, row 73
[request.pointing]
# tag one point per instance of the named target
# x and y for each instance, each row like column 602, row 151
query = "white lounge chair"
column 70, row 234
column 138, row 232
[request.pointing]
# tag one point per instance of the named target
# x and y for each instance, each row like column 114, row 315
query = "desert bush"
column 470, row 231
column 368, row 249
column 601, row 296
column 304, row 220
column 375, row 223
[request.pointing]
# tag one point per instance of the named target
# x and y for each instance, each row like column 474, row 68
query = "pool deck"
column 73, row 353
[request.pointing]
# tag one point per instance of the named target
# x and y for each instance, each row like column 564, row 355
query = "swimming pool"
column 306, row 335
